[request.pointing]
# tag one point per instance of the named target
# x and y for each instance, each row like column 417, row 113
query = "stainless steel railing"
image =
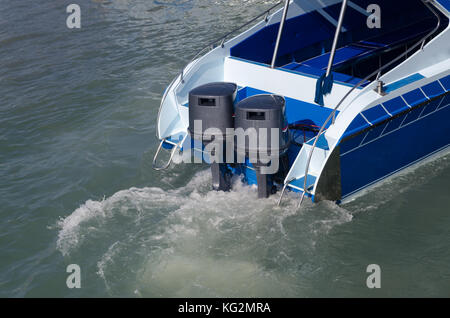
column 221, row 40
column 280, row 32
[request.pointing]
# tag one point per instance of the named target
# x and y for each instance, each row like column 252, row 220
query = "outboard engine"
column 212, row 105
column 263, row 119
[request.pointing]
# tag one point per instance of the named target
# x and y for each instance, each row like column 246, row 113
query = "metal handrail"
column 211, row 46
column 280, row 32
column 172, row 154
column 333, row 113
column 336, row 37
column 224, row 37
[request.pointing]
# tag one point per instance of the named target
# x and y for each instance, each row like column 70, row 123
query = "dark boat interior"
column 307, row 39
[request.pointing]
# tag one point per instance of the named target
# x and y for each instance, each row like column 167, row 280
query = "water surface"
column 77, row 136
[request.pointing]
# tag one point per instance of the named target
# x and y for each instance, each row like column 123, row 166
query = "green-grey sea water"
column 77, row 136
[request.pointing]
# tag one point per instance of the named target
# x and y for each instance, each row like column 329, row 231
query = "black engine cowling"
column 211, row 109
column 213, row 105
column 264, row 117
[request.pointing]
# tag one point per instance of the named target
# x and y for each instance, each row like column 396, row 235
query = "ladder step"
column 173, row 141
column 298, row 184
column 322, row 143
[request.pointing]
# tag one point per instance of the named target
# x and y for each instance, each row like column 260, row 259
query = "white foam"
column 70, row 235
column 215, row 242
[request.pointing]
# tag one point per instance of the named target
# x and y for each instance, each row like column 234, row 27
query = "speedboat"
column 353, row 92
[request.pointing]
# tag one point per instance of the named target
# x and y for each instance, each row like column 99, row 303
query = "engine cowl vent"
column 262, row 112
column 213, row 105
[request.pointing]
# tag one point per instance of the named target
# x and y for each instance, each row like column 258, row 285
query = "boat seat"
column 316, row 72
column 316, row 66
column 343, row 55
column 364, row 48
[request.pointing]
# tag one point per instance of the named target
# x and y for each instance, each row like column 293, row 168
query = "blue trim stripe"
column 415, row 97
column 446, row 82
column 433, row 89
column 403, row 82
column 376, row 114
column 445, row 4
column 401, row 122
column 395, row 106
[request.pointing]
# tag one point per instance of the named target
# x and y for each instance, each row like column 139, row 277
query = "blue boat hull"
column 374, row 154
